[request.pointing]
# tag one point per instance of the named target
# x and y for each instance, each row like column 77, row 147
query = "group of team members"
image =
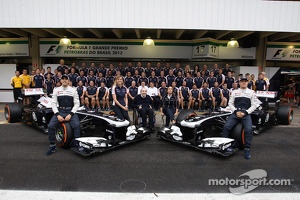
column 166, row 93
column 194, row 89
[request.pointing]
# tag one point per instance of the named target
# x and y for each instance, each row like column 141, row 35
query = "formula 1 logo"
column 281, row 53
column 53, row 50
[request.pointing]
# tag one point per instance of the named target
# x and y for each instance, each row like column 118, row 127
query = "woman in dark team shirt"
column 169, row 106
column 120, row 101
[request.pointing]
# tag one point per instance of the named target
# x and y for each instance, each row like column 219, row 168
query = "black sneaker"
column 51, row 150
column 247, row 153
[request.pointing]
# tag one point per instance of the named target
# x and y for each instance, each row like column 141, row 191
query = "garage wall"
column 257, row 15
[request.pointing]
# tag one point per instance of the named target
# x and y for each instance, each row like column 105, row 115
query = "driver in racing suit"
column 65, row 102
column 242, row 104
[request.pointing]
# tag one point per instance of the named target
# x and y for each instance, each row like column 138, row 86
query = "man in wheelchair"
column 143, row 103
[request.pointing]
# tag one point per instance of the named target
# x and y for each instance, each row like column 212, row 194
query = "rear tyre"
column 285, row 115
column 13, row 112
column 238, row 134
column 64, row 135
column 184, row 115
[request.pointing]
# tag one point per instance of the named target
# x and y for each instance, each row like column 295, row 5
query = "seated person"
column 143, row 103
column 242, row 104
column 90, row 94
column 169, row 106
column 102, row 95
column 184, row 94
column 195, row 97
column 217, row 95
column 205, row 96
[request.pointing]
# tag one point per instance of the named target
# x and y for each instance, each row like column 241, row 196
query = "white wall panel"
column 171, row 14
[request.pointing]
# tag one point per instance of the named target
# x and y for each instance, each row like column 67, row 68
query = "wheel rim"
column 7, row 113
column 59, row 134
column 291, row 115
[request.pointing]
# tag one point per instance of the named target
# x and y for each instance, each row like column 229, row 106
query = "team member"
column 162, row 91
column 205, row 96
column 139, row 68
column 120, row 101
column 48, row 72
column 82, row 78
column 198, row 80
column 16, row 83
column 211, row 80
column 102, row 69
column 142, row 85
column 184, row 95
column 220, row 77
column 242, row 104
column 195, row 96
column 153, row 78
column 90, row 96
column 229, row 80
column 81, row 92
column 65, row 103
column 217, row 96
column 153, row 93
column 143, row 78
column 128, row 79
column 91, row 76
column 225, row 93
column 226, row 70
column 161, row 79
column 148, row 70
column 177, row 69
column 38, row 79
column 73, row 76
column 189, row 80
column 170, row 78
column 169, row 106
column 49, row 84
column 158, row 69
column 144, row 103
column 132, row 92
column 179, row 79
column 100, row 79
column 26, row 82
column 102, row 95
column 109, row 79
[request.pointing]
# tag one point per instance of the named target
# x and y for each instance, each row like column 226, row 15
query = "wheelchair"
column 137, row 119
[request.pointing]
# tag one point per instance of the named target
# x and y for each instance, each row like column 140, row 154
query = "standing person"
column 177, row 69
column 73, row 76
column 198, row 80
column 169, row 106
column 65, row 103
column 226, row 70
column 128, row 79
column 170, row 78
column 220, row 78
column 139, row 68
column 38, row 79
column 153, row 78
column 61, row 68
column 132, row 92
column 153, row 93
column 216, row 69
column 229, row 80
column 148, row 70
column 205, row 70
column 48, row 72
column 16, row 83
column 211, row 79
column 82, row 78
column 144, row 103
column 189, row 80
column 161, row 78
column 179, row 79
column 158, row 69
column 49, row 84
column 102, row 69
column 120, row 101
column 242, row 104
column 26, row 82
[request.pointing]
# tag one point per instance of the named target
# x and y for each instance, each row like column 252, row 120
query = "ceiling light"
column 65, row 41
column 148, row 42
column 233, row 43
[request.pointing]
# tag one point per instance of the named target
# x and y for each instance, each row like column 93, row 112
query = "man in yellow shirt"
column 26, row 81
column 16, row 83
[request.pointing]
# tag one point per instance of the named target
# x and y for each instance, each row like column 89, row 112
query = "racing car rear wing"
column 266, row 94
column 33, row 91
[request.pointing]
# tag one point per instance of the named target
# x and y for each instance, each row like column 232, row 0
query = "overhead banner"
column 237, row 53
column 116, row 51
column 13, row 48
column 284, row 54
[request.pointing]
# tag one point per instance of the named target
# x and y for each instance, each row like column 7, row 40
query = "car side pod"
column 87, row 146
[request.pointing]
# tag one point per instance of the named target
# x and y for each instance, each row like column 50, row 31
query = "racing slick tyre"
column 285, row 115
column 64, row 135
column 135, row 117
column 13, row 112
column 238, row 134
column 185, row 114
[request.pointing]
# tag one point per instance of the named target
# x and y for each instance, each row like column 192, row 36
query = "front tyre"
column 285, row 115
column 64, row 135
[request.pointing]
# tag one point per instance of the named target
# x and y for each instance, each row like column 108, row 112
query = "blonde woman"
column 120, row 101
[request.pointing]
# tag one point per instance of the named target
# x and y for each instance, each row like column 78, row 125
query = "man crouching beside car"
column 242, row 103
column 65, row 102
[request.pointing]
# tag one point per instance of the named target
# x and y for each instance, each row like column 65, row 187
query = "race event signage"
column 13, row 48
column 116, row 50
column 284, row 53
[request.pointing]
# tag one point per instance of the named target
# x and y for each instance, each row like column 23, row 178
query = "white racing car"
column 100, row 132
column 204, row 131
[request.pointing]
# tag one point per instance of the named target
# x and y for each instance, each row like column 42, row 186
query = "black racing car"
column 99, row 131
column 204, row 131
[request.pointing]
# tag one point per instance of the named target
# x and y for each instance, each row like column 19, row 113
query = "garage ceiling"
column 246, row 38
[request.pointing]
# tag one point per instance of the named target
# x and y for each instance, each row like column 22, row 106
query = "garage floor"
column 151, row 166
